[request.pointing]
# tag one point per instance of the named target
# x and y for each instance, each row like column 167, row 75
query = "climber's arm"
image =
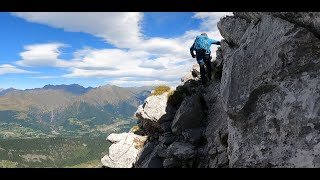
column 212, row 41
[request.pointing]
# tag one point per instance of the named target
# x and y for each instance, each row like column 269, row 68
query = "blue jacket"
column 210, row 42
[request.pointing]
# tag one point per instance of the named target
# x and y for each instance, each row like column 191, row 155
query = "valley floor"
column 55, row 152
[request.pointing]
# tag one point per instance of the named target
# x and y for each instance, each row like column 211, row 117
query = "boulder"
column 232, row 29
column 171, row 163
column 167, row 138
column 189, row 115
column 124, row 150
column 194, row 74
column 194, row 136
column 155, row 111
column 151, row 157
column 181, row 150
column 195, row 71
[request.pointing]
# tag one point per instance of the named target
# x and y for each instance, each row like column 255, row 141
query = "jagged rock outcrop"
column 155, row 111
column 124, row 150
column 232, row 29
column 262, row 108
column 189, row 114
column 194, row 74
column 308, row 20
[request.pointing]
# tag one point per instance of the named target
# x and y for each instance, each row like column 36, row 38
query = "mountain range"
column 67, row 109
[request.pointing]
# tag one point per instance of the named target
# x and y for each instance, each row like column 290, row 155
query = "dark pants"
column 204, row 61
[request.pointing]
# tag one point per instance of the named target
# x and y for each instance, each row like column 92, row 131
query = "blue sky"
column 94, row 49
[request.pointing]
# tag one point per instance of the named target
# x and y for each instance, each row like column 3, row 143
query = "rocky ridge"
column 262, row 108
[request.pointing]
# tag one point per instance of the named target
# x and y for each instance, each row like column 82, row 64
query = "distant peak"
column 62, row 85
column 6, row 91
column 72, row 88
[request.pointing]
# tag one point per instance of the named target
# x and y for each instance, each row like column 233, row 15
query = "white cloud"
column 110, row 63
column 144, row 68
column 119, row 28
column 154, row 60
column 210, row 19
column 151, row 64
column 9, row 69
column 212, row 15
column 45, row 77
column 129, row 82
column 42, row 55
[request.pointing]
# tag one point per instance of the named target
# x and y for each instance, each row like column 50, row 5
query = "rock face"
column 308, row 20
column 124, row 150
column 262, row 109
column 271, row 91
column 154, row 112
column 189, row 115
column 232, row 29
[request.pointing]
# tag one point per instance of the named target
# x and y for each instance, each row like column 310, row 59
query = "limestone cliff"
column 262, row 108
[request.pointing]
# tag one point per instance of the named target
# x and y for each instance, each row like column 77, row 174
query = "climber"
column 201, row 46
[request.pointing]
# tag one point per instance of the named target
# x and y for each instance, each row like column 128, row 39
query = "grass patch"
column 138, row 143
column 7, row 164
column 171, row 93
column 160, row 90
column 89, row 164
column 134, row 129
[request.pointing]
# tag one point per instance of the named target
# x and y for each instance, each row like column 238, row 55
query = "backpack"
column 201, row 42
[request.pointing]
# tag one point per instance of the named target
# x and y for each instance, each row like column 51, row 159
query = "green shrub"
column 160, row 90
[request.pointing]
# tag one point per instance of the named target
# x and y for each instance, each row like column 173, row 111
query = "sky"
column 99, row 48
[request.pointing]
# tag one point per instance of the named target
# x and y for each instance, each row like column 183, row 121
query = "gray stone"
column 152, row 160
column 232, row 29
column 166, row 126
column 144, row 154
column 181, row 150
column 167, row 140
column 155, row 111
column 193, row 135
column 216, row 131
column 194, row 74
column 195, row 70
column 189, row 115
column 251, row 16
column 309, row 20
column 223, row 160
column 124, row 150
column 282, row 130
column 186, row 77
column 270, row 89
column 213, row 163
column 171, row 163
column 162, row 151
column 265, row 55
